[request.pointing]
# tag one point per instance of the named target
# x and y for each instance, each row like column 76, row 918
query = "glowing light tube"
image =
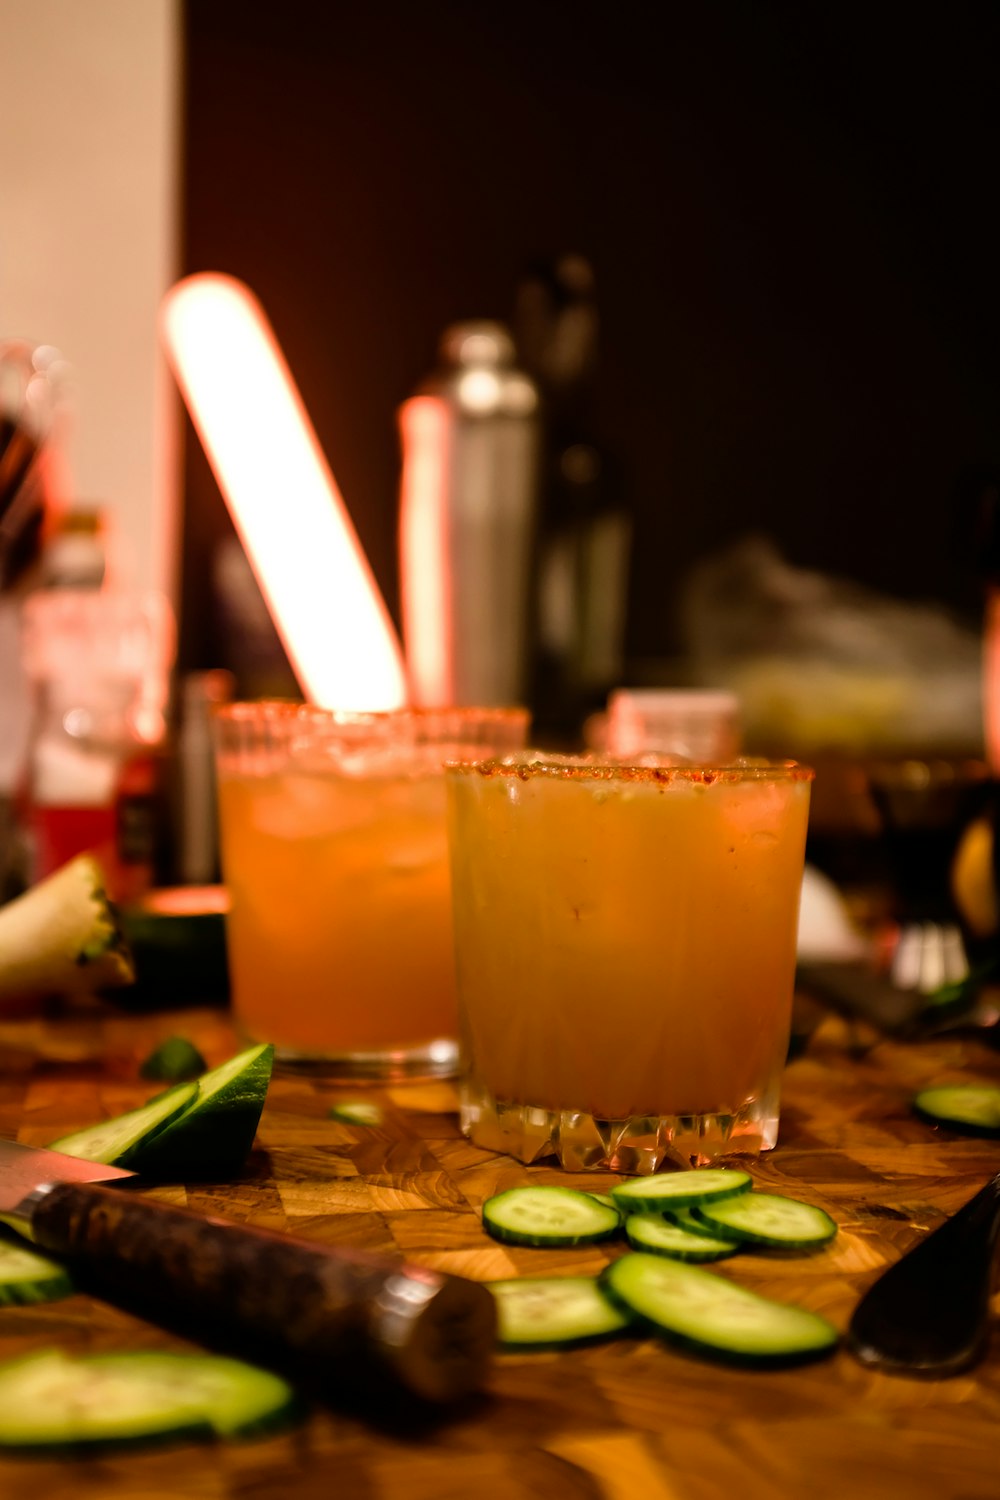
column 282, row 496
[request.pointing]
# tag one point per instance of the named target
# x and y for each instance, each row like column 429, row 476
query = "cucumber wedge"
column 26, row 1276
column 119, row 1141
column 51, row 1399
column 767, row 1219
column 550, row 1312
column 667, row 1190
column 200, row 1129
column 553, row 1216
column 214, row 1133
column 707, row 1314
column 665, row 1236
column 972, row 1107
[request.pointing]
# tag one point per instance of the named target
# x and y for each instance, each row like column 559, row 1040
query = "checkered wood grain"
column 627, row 1420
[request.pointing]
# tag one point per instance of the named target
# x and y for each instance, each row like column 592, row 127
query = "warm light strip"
column 282, row 496
column 425, row 580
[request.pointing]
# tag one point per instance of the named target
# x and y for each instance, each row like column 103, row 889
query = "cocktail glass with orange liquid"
column 334, row 852
column 626, row 943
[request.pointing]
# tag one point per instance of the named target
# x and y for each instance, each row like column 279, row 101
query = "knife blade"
column 341, row 1317
column 929, row 1313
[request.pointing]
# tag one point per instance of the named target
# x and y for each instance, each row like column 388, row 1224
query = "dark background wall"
column 790, row 210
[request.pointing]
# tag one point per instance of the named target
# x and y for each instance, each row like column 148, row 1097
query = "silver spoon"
column 929, row 1313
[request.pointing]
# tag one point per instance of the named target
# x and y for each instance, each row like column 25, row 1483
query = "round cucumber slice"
column 26, row 1276
column 767, row 1219
column 707, row 1314
column 357, row 1112
column 52, row 1399
column 548, row 1216
column 545, row 1312
column 236, row 1399
column 666, row 1190
column 665, row 1236
column 972, row 1107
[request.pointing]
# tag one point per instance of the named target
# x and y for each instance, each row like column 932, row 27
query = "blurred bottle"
column 585, row 529
column 75, row 556
column 195, row 817
column 468, row 503
column 98, row 661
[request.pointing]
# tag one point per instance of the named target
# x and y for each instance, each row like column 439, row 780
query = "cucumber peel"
column 199, row 1129
column 52, row 1399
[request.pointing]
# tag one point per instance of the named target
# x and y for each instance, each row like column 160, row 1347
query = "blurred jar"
column 701, row 725
column 98, row 662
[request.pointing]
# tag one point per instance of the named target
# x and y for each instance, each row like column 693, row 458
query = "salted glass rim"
column 529, row 765
column 251, row 710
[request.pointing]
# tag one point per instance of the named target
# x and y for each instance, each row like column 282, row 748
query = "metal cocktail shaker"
column 468, row 503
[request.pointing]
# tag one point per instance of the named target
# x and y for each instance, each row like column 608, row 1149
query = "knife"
column 339, row 1317
column 929, row 1314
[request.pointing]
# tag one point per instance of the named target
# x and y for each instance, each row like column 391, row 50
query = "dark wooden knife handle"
column 339, row 1313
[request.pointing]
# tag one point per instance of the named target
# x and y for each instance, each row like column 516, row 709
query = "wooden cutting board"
column 627, row 1420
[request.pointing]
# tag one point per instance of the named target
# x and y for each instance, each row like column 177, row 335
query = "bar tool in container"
column 468, row 501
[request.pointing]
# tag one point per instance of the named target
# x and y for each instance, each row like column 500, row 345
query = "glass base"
column 636, row 1146
column 424, row 1063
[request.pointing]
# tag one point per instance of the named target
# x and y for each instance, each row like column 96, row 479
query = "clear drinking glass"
column 334, row 851
column 625, row 942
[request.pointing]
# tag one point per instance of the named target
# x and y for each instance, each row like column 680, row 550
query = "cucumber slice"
column 236, row 1399
column 52, row 1399
column 973, row 1107
column 703, row 1312
column 548, row 1216
column 173, row 1060
column 117, row 1141
column 546, row 1312
column 665, row 1236
column 357, row 1112
column 608, row 1201
column 26, row 1276
column 769, row 1220
column 214, row 1133
column 668, row 1190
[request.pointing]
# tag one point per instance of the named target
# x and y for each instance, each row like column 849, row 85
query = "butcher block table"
column 627, row 1420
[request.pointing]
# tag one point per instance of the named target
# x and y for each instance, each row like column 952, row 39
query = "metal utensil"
column 338, row 1316
column 929, row 1313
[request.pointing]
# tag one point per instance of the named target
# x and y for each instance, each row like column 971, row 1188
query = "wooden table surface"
column 627, row 1420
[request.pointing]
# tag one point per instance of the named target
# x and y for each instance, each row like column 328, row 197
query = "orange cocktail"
column 334, row 852
column 626, row 943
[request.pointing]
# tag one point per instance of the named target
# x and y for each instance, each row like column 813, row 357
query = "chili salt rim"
column 580, row 768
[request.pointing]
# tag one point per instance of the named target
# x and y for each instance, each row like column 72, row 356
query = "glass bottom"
column 425, row 1062
column 636, row 1146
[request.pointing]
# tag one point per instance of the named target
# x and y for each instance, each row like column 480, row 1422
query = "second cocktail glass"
column 626, row 942
column 334, row 853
